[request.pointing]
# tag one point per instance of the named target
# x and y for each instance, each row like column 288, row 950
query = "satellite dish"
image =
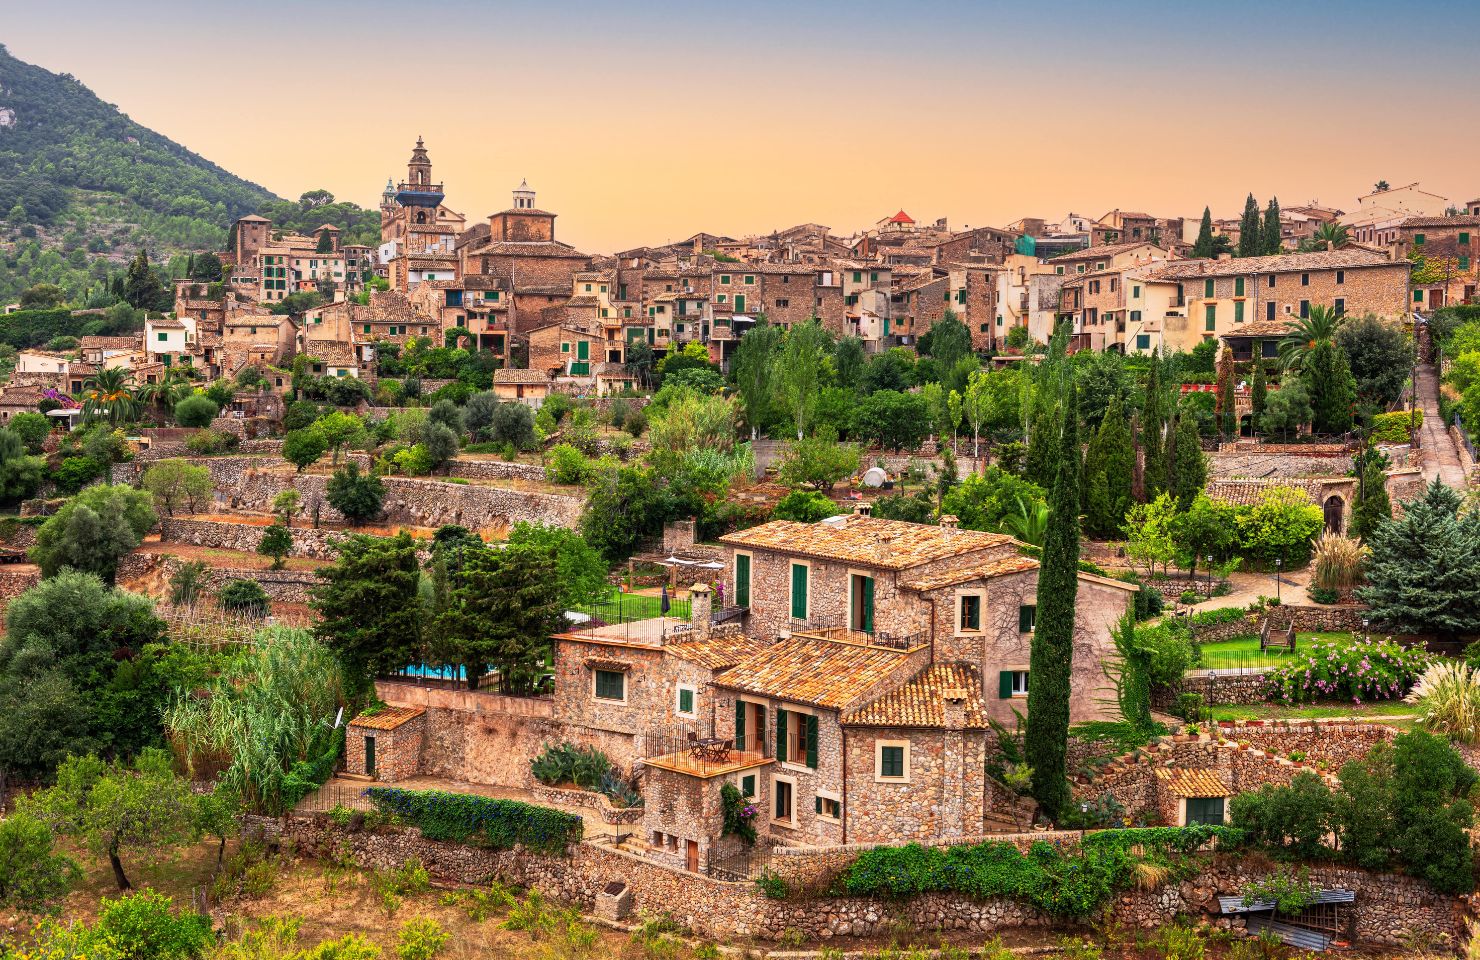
column 875, row 477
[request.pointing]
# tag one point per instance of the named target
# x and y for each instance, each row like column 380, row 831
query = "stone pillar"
column 701, row 610
column 953, row 762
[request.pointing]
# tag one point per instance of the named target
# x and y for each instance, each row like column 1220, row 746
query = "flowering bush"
column 1357, row 670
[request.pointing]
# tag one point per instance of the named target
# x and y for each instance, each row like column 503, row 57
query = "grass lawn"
column 1281, row 711
column 1244, row 652
column 619, row 607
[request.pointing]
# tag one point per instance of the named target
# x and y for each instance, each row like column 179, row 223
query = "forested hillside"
column 83, row 188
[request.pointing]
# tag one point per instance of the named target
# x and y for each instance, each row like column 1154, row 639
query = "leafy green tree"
column 1041, row 464
column 1101, row 378
column 1226, row 410
column 118, row 809
column 818, row 462
column 196, row 410
column 187, row 582
column 106, row 396
column 502, row 607
column 580, row 570
column 1273, row 244
column 359, row 497
column 1281, row 525
column 93, row 530
column 894, row 369
column 892, row 419
column 1287, row 410
column 175, row 483
column 206, row 267
column 142, row 287
column 1187, row 468
column 1111, row 462
column 1379, row 356
column 513, row 423
column 1423, row 566
column 439, row 442
column 985, row 501
column 1430, row 783
column 624, row 507
column 799, row 371
column 1316, row 329
column 286, row 505
column 1332, row 390
column 804, row 506
column 33, row 875
column 1250, row 234
column 20, row 473
column 277, row 543
column 1052, row 657
column 1149, row 542
column 1205, row 528
column 947, row 340
column 848, row 363
column 370, row 615
column 338, row 430
column 43, row 296
column 32, row 428
column 303, row 447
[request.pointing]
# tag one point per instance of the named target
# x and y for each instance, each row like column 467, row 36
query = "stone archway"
column 1246, row 425
column 1335, row 511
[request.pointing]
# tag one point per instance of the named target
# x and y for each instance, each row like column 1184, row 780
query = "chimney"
column 953, row 704
column 1225, row 256
column 701, row 607
column 949, row 521
column 862, row 509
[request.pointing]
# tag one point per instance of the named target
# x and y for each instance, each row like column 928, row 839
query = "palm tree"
column 1029, row 524
column 1330, row 236
column 106, row 395
column 1380, row 186
column 1307, row 334
column 165, row 392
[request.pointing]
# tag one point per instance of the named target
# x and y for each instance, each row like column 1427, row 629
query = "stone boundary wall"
column 226, row 535
column 1392, row 909
column 587, row 798
column 16, row 580
column 1228, row 630
column 1333, row 741
column 480, row 702
column 281, row 586
column 1312, row 618
column 482, row 469
column 1226, row 689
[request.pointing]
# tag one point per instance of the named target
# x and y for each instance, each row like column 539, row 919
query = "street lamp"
column 1210, row 575
column 1276, row 579
column 1364, row 628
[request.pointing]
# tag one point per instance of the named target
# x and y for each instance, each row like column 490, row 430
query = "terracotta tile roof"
column 1107, row 250
column 108, row 343
column 388, row 719
column 823, row 673
column 1348, row 258
column 1466, row 220
column 537, row 248
column 167, row 323
column 1183, row 782
column 1267, row 328
column 921, row 701
column 717, row 653
column 1242, row 491
column 996, row 567
column 332, row 353
column 520, row 376
column 889, row 544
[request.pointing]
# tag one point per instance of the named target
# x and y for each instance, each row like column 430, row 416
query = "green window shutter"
column 1464, row 263
column 685, row 701
column 1004, row 685
column 1143, row 341
column 1211, row 313
column 798, row 591
column 817, row 804
column 811, row 737
column 1418, row 239
column 1207, row 289
column 781, row 735
column 1238, row 311
column 583, row 350
column 1026, row 615
column 1464, row 237
column 1417, row 296
column 740, row 724
column 868, row 604
column 742, row 579
column 747, row 786
column 609, row 684
column 1238, row 286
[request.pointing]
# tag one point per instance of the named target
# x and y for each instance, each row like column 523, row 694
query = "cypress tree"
column 1373, row 507
column 1189, row 467
column 1203, row 248
column 1227, row 415
column 1153, row 426
column 1250, row 235
column 1258, row 393
column 1272, row 242
column 1051, row 661
column 1332, row 388
column 1110, row 470
column 1041, row 464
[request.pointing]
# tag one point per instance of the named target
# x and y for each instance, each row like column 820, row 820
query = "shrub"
column 567, row 465
column 74, row 473
column 421, row 938
column 1170, row 652
column 1337, row 564
column 1448, row 695
column 142, row 926
column 500, row 824
column 1289, row 892
column 1290, row 820
column 1213, row 618
column 568, row 763
column 211, row 442
column 32, row 873
column 739, row 814
column 196, row 410
column 1393, row 427
column 243, row 596
column 1358, row 670
column 773, row 885
column 804, row 506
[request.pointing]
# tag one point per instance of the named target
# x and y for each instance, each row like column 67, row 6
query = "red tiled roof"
column 901, row 217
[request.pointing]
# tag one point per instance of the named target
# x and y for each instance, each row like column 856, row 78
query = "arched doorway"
column 1335, row 510
column 1246, row 425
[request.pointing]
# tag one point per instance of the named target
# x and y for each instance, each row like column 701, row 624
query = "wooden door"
column 369, row 756
column 692, row 863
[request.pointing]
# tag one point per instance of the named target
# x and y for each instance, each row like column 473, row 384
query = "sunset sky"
column 645, row 122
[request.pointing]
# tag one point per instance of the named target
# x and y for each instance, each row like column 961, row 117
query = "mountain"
column 83, row 187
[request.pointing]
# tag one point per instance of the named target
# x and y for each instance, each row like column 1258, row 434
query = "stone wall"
column 586, row 798
column 1332, row 742
column 1310, row 618
column 226, row 535
column 1231, row 689
column 483, row 469
column 281, row 586
column 1390, row 910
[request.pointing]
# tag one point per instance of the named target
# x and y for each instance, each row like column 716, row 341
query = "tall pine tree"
column 1423, row 568
column 1250, row 234
column 1272, row 242
column 1109, row 472
column 1051, row 662
column 1203, row 248
column 1226, row 412
column 1153, row 429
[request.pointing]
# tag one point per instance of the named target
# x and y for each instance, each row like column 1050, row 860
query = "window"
column 1464, row 262
column 749, row 279
column 796, row 738
column 969, row 613
column 1205, row 810
column 1210, row 315
column 747, row 786
column 1094, row 286
column 1418, row 239
column 1027, row 617
column 611, row 685
column 1271, row 281
column 1059, row 271
column 1207, row 289
column 783, row 302
column 1340, row 306
column 984, row 327
column 1305, row 279
column 1012, row 683
column 892, row 761
column 742, row 579
column 1341, row 276
column 1143, row 341
column 1305, row 308
column 1238, row 286
column 1269, row 310
column 782, row 790
column 829, row 808
column 1464, row 238
column 565, row 348
column 724, row 278
column 685, row 706
column 163, row 336
column 1238, row 311
column 799, row 574
column 588, row 288
column 861, row 602
column 1135, row 290
column 857, row 276
column 1418, row 296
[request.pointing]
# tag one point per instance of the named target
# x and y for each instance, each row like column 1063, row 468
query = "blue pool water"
column 435, row 673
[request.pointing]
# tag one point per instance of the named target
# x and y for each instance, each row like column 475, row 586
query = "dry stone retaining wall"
column 282, row 586
column 223, row 534
column 1229, row 689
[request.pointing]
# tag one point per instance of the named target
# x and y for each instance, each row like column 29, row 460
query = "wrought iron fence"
column 746, row 865
column 627, row 607
column 333, row 796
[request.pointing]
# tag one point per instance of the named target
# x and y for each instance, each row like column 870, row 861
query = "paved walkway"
column 1440, row 455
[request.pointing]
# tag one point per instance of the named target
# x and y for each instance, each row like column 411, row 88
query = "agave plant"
column 1307, row 334
column 1448, row 697
column 1337, row 562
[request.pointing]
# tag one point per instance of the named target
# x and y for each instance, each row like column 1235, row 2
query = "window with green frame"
column 742, row 579
column 611, row 685
column 1027, row 617
column 1418, row 239
column 685, row 700
column 1207, row 289
column 724, row 278
column 1464, row 263
column 1210, row 315
column 891, row 762
column 1238, row 311
column 1208, row 810
column 1238, row 286
column 1143, row 341
column 163, row 336
column 747, row 785
column 799, row 574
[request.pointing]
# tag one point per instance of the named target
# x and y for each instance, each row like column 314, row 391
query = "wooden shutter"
column 817, row 804
column 1004, row 685
column 812, row 741
column 742, row 579
column 1025, row 618
column 868, row 604
column 740, row 723
column 781, row 735
column 798, row 591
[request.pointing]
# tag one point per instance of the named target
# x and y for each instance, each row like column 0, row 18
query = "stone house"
column 1450, row 269
column 386, row 745
column 529, row 387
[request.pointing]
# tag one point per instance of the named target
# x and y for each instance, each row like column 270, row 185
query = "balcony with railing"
column 689, row 752
column 887, row 639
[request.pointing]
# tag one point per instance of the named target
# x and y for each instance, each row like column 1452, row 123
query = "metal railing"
column 333, row 796
column 748, row 864
column 627, row 607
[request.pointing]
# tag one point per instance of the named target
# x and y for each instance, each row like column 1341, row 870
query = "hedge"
column 1393, row 427
column 1074, row 884
column 306, row 776
column 489, row 822
column 1212, row 618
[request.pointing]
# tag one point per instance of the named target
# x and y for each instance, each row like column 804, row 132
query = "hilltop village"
column 777, row 591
